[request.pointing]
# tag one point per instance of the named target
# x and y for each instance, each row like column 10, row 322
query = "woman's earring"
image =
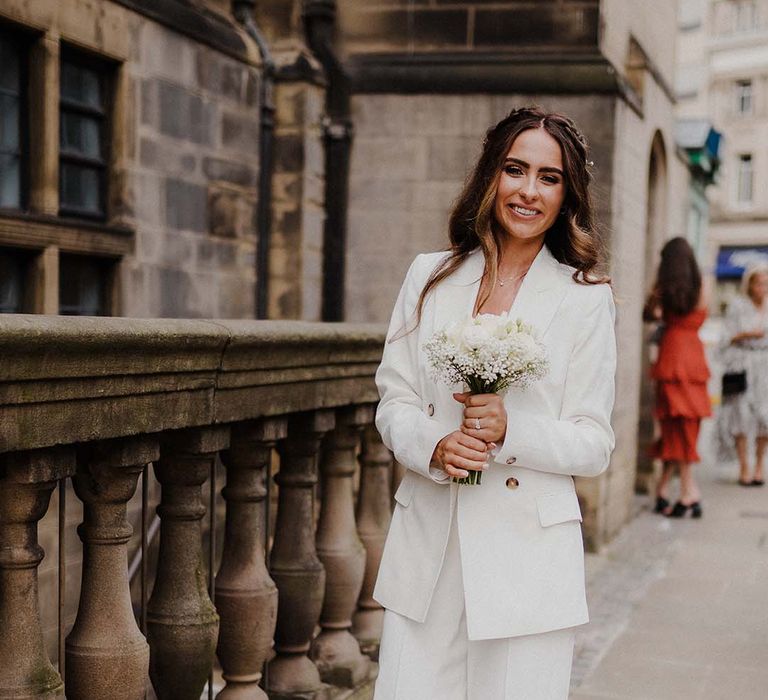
column 562, row 211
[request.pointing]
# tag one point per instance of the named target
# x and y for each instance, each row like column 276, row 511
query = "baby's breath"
column 488, row 353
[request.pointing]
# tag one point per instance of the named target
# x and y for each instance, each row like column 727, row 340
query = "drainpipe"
column 319, row 22
column 243, row 12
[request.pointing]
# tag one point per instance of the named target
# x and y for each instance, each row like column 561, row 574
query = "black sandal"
column 661, row 505
column 680, row 509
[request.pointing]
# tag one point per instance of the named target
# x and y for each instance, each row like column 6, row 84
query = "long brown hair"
column 678, row 283
column 572, row 239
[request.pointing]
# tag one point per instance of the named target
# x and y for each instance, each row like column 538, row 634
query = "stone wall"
column 652, row 24
column 410, row 157
column 184, row 152
column 635, row 247
column 296, row 247
column 195, row 175
column 466, row 24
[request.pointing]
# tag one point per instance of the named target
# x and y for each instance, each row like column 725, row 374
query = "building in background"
column 723, row 76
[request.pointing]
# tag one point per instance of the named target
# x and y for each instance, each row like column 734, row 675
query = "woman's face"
column 531, row 187
column 758, row 286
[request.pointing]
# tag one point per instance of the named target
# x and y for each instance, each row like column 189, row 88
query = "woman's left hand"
column 486, row 410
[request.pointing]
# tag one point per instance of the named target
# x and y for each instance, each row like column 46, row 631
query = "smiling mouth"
column 522, row 211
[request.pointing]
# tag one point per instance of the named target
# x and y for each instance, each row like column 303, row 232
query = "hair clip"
column 590, row 163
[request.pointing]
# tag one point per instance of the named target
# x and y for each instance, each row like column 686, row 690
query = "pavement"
column 679, row 608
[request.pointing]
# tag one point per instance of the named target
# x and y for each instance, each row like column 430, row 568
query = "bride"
column 483, row 585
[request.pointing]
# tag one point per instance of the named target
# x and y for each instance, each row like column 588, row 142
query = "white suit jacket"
column 521, row 545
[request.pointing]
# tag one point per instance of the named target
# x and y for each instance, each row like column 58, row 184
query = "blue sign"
column 732, row 260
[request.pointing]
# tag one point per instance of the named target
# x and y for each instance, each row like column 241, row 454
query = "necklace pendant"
column 501, row 283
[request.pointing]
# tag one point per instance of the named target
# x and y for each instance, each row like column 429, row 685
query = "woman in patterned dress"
column 744, row 416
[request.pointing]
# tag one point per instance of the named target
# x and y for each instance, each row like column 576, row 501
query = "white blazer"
column 521, row 545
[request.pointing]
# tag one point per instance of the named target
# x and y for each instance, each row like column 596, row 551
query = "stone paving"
column 680, row 608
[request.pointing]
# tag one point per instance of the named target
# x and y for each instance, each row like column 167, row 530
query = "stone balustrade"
column 95, row 401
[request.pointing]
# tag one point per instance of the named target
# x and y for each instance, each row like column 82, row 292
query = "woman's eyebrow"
column 545, row 169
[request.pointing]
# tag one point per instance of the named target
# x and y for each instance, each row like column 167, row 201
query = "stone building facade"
column 723, row 75
column 429, row 78
column 137, row 146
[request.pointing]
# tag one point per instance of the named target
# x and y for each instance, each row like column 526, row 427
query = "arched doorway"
column 656, row 219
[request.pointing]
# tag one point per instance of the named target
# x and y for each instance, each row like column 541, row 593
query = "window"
column 744, row 97
column 84, row 286
column 744, row 185
column 746, row 15
column 10, row 123
column 83, row 137
column 13, row 274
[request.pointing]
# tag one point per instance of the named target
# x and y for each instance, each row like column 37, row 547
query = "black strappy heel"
column 661, row 505
column 680, row 509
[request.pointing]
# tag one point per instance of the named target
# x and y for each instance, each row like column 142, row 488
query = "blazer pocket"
column 404, row 492
column 557, row 508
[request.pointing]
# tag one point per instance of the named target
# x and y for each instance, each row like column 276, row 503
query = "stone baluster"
column 246, row 596
column 27, row 480
column 106, row 654
column 373, row 516
column 294, row 564
column 182, row 623
column 335, row 651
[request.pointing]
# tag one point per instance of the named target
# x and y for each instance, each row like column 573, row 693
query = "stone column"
column 27, row 480
column 294, row 564
column 106, row 654
column 374, row 512
column 295, row 256
column 246, row 596
column 335, row 651
column 44, row 64
column 182, row 623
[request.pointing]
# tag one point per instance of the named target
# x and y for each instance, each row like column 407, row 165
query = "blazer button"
column 511, row 460
column 512, row 483
column 431, row 409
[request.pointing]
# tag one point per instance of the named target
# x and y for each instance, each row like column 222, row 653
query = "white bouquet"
column 489, row 354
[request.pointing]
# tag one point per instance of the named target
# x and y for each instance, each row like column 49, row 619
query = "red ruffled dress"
column 681, row 375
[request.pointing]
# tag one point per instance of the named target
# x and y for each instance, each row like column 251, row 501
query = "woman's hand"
column 456, row 453
column 487, row 411
column 747, row 335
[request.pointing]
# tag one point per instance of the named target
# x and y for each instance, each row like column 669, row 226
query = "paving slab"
column 679, row 608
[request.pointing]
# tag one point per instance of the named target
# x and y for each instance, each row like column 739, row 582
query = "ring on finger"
column 477, row 424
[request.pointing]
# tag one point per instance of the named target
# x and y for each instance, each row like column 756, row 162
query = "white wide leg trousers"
column 435, row 660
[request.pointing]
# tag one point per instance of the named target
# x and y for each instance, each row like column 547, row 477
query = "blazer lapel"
column 455, row 297
column 541, row 293
column 537, row 300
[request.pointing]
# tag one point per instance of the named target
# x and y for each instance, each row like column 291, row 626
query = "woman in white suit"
column 483, row 585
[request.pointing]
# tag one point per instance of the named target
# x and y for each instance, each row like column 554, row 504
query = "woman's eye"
column 513, row 170
column 550, row 179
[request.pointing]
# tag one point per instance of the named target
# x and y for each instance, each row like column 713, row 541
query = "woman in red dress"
column 681, row 373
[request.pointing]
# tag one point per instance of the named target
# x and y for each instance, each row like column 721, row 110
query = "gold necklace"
column 503, row 280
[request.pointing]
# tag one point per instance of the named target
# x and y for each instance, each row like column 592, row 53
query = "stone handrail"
column 71, row 379
column 96, row 400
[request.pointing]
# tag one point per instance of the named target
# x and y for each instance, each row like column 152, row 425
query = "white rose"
column 453, row 333
column 474, row 336
column 528, row 344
